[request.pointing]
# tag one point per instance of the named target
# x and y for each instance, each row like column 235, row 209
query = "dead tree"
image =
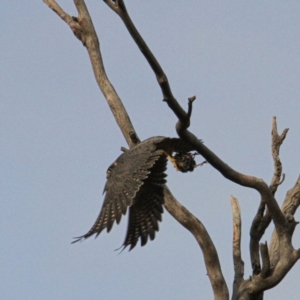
column 270, row 263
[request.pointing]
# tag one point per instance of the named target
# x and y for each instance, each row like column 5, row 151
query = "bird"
column 136, row 179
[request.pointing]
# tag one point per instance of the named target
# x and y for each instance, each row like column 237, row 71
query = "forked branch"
column 281, row 256
column 263, row 218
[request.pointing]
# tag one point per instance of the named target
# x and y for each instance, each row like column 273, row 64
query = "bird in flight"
column 137, row 180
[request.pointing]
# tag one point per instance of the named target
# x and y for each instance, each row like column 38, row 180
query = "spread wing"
column 145, row 213
column 125, row 177
column 136, row 179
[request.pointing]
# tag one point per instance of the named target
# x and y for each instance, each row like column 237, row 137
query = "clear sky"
column 242, row 61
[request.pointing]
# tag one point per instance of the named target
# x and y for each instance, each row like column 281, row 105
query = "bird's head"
column 185, row 161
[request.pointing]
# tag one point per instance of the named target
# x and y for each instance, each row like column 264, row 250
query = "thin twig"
column 60, row 12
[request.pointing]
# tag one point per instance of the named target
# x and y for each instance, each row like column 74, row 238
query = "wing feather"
column 147, row 209
column 125, row 178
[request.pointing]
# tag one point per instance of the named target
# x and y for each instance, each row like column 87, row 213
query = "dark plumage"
column 136, row 180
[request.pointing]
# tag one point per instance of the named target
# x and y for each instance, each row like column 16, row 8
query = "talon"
column 200, row 165
column 172, row 160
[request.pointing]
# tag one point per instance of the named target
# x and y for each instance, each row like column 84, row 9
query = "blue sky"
column 242, row 61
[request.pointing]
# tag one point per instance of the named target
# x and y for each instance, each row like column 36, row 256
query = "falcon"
column 137, row 180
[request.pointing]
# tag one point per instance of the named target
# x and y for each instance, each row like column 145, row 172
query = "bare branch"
column 288, row 255
column 190, row 222
column 119, row 8
column 279, row 259
column 61, row 13
column 281, row 256
column 284, row 265
column 237, row 223
column 231, row 174
column 84, row 30
column 276, row 143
